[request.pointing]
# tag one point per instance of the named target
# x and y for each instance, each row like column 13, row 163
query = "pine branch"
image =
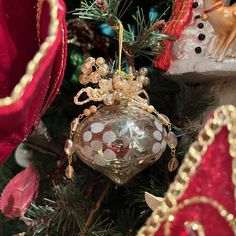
column 72, row 212
column 144, row 42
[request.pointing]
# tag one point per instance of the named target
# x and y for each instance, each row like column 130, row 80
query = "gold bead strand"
column 171, row 141
column 173, row 162
column 69, row 147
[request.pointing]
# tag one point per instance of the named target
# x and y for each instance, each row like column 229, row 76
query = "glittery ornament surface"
column 120, row 141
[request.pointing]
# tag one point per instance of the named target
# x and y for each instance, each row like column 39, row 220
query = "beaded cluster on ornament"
column 113, row 87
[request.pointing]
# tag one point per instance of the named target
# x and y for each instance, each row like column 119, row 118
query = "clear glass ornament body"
column 120, row 141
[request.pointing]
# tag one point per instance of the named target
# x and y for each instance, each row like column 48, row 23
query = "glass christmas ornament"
column 120, row 141
column 126, row 134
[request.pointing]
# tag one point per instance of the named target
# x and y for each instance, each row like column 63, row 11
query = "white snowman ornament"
column 203, row 40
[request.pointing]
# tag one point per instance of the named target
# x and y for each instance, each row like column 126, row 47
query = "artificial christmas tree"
column 89, row 203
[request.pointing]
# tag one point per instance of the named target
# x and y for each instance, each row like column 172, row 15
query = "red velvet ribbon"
column 19, row 44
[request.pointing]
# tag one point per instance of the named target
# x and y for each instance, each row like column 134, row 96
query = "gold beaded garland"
column 69, row 171
column 150, row 109
column 87, row 112
column 69, row 147
column 93, row 109
column 74, row 124
column 172, row 140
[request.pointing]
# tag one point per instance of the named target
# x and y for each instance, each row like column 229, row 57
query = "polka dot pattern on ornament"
column 118, row 137
column 156, row 148
column 109, row 155
column 163, row 145
column 158, row 125
column 98, row 159
column 96, row 145
column 157, row 135
column 109, row 137
column 87, row 136
column 97, row 127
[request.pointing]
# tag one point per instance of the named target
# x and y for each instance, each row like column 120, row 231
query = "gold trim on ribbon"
column 33, row 64
column 223, row 116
